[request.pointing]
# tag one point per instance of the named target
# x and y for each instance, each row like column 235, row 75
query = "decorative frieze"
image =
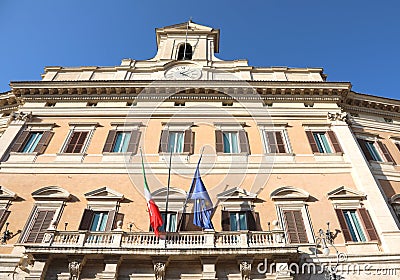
column 159, row 270
column 245, row 269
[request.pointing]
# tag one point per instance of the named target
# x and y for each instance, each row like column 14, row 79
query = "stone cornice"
column 195, row 90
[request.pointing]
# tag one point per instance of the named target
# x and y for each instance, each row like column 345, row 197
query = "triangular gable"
column 104, row 193
column 174, row 194
column 236, row 194
column 6, row 194
column 289, row 193
column 51, row 193
column 346, row 193
column 183, row 26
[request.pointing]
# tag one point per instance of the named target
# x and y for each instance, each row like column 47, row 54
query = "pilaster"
column 209, row 272
column 110, row 271
column 39, row 267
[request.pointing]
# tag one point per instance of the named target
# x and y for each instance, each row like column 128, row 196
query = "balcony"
column 119, row 242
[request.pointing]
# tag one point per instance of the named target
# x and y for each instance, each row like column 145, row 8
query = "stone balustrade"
column 178, row 240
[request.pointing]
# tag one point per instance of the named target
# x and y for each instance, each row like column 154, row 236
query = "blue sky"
column 356, row 41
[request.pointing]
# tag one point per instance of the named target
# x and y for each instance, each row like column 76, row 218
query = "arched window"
column 185, row 52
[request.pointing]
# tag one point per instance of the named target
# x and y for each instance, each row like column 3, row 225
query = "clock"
column 183, row 72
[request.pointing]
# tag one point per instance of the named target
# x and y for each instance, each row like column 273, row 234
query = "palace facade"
column 285, row 153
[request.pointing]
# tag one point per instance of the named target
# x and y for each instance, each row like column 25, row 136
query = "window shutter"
column 312, row 142
column 385, row 152
column 295, row 228
column 41, row 223
column 118, row 217
column 110, row 220
column 219, row 142
column 188, row 225
column 134, row 141
column 335, row 142
column 109, row 141
column 86, row 219
column 225, row 221
column 19, row 143
column 271, row 141
column 188, row 146
column 251, row 221
column 279, row 142
column 76, row 142
column 3, row 217
column 244, row 142
column 163, row 148
column 343, row 225
column 44, row 142
column 363, row 147
column 368, row 225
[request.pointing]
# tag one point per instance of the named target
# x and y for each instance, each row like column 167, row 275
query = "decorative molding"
column 21, row 116
column 51, row 193
column 104, row 193
column 245, row 269
column 343, row 116
column 159, row 270
column 74, row 268
column 289, row 193
column 345, row 193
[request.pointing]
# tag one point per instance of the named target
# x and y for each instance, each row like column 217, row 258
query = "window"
column 294, row 226
column 323, row 142
column 121, row 142
column 32, row 142
column 375, row 150
column 276, row 141
column 293, row 214
column 169, row 223
column 185, row 52
column 39, row 224
column 232, row 142
column 99, row 220
column 356, row 225
column 4, row 213
column 175, row 142
column 238, row 220
column 76, row 142
column 181, row 141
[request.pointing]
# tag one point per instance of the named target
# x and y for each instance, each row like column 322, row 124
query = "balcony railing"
column 173, row 240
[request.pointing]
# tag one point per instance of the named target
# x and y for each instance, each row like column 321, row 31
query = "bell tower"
column 187, row 41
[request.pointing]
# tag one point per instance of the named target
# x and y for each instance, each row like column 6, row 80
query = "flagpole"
column 167, row 198
column 190, row 190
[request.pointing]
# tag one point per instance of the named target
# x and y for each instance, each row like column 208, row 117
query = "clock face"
column 183, row 72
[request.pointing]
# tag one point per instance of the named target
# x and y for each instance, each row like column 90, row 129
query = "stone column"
column 282, row 269
column 365, row 181
column 111, row 268
column 13, row 130
column 209, row 272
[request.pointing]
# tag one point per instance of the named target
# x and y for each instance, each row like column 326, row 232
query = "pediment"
column 346, row 193
column 6, row 194
column 104, row 193
column 184, row 25
column 289, row 193
column 174, row 194
column 51, row 193
column 236, row 194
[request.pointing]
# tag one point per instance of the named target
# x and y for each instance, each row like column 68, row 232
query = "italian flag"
column 154, row 213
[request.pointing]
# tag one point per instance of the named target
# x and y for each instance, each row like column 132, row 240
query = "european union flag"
column 203, row 206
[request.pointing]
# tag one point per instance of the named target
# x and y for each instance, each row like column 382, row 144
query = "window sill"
column 281, row 157
column 232, row 157
column 382, row 165
column 362, row 247
column 22, row 157
column 330, row 157
column 116, row 157
column 70, row 157
column 176, row 157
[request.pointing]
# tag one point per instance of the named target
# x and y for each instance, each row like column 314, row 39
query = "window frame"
column 284, row 136
column 243, row 144
column 188, row 138
column 20, row 142
column 380, row 152
column 79, row 127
